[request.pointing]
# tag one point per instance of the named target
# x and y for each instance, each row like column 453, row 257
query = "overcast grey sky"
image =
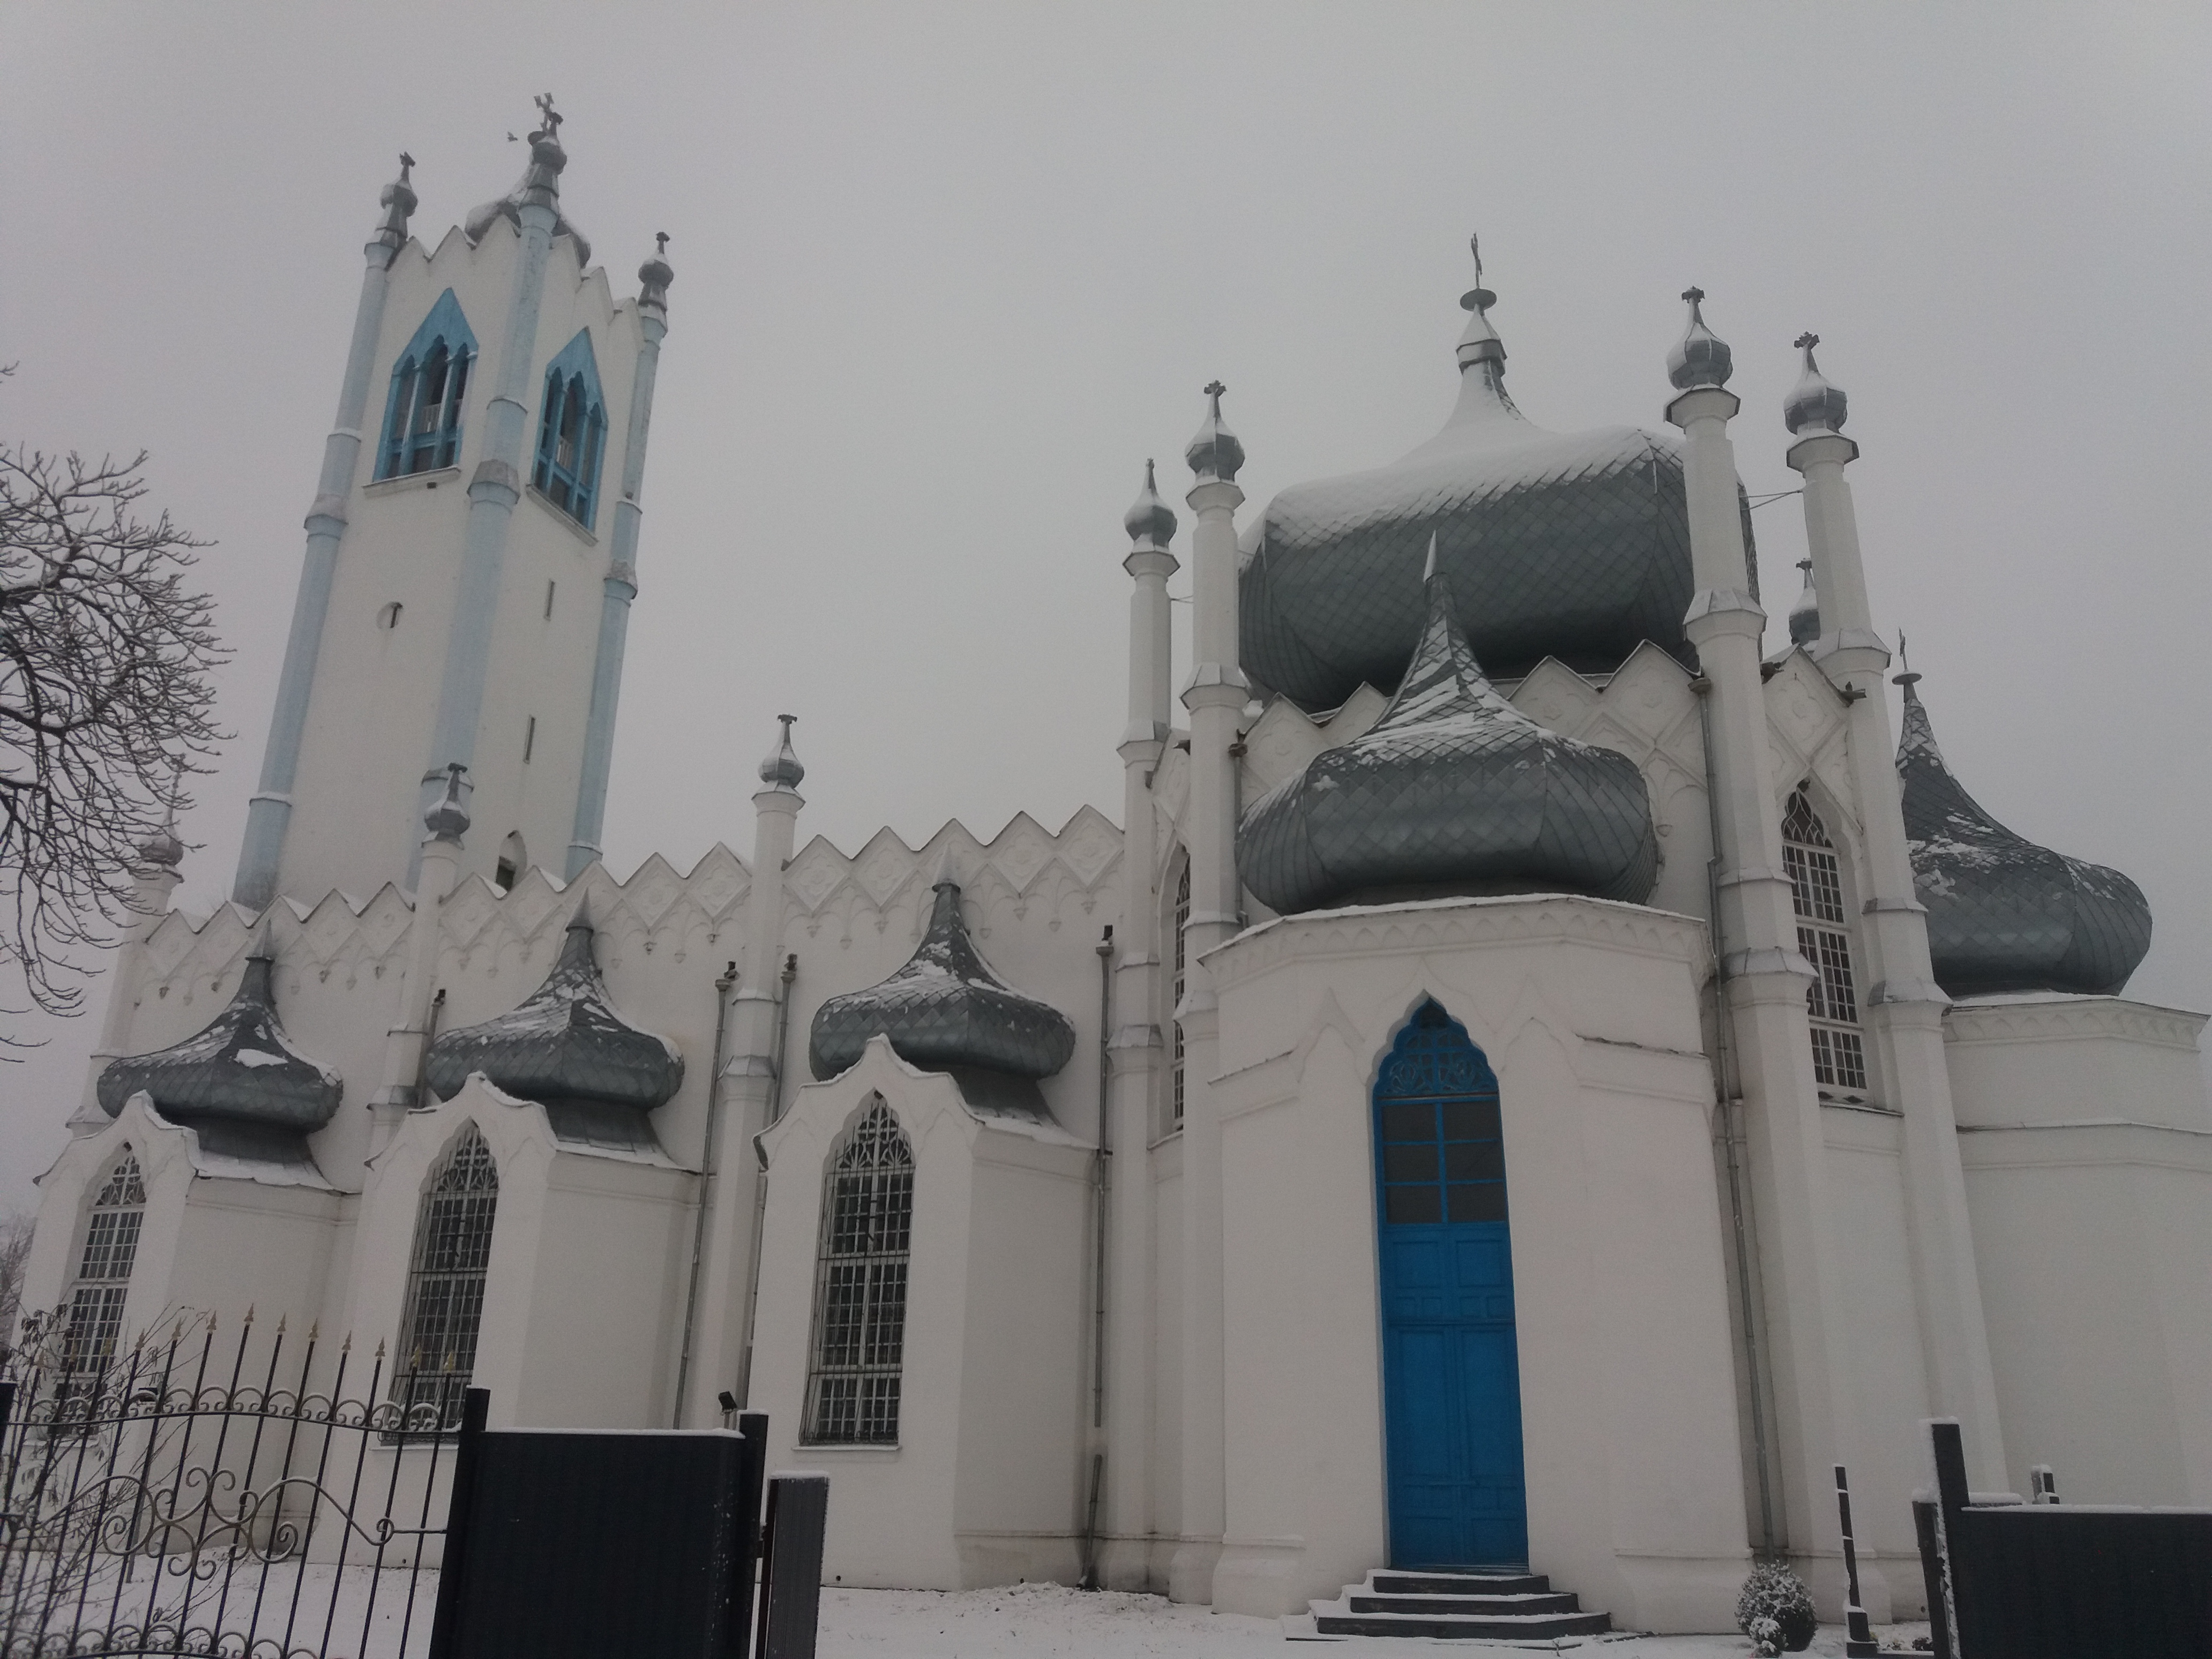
column 946, row 275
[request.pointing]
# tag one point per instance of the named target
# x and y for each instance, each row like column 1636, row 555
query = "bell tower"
column 470, row 556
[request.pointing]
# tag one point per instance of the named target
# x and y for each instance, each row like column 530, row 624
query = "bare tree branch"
column 106, row 706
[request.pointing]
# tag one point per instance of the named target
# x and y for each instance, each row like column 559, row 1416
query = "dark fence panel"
column 2058, row 1580
column 791, row 1580
column 589, row 1545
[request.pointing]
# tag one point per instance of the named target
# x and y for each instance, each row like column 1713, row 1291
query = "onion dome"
column 1813, row 403
column 782, row 769
column 397, row 202
column 1214, row 454
column 945, row 1010
column 238, row 1080
column 2004, row 914
column 1805, row 614
column 447, row 818
column 655, row 275
column 1700, row 357
column 1574, row 546
column 1453, row 791
column 540, row 187
column 1151, row 522
column 567, row 1048
column 162, row 848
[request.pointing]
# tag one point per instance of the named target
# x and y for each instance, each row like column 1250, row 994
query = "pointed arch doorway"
column 1451, row 1364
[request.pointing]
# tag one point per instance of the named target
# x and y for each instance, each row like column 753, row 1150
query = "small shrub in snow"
column 1765, row 1638
column 1774, row 1595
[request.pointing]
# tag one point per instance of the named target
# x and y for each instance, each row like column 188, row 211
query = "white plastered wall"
column 1588, row 1012
column 984, row 1485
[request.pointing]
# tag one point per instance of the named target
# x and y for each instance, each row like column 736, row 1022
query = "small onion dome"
column 565, row 1048
column 1813, row 402
column 1453, row 791
column 1151, row 523
column 1700, row 357
column 540, row 186
column 1805, row 614
column 782, row 769
column 1214, row 454
column 397, row 202
column 447, row 818
column 944, row 1010
column 655, row 274
column 162, row 848
column 239, row 1070
column 2004, row 914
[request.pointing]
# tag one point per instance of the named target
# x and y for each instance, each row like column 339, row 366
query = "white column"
column 152, row 882
column 747, row 1096
column 439, row 872
column 1764, row 979
column 1903, row 1005
column 1137, row 1054
column 1215, row 695
column 269, row 812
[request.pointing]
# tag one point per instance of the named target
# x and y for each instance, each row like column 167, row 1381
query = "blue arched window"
column 422, row 421
column 572, row 431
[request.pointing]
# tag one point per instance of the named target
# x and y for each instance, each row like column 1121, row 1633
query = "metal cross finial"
column 405, row 161
column 1693, row 294
column 661, row 237
column 1903, row 661
column 1805, row 342
column 1213, row 388
column 789, row 720
column 1475, row 247
column 550, row 119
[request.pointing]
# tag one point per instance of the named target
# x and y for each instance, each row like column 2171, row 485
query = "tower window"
column 430, row 385
column 530, row 740
column 445, row 1282
column 387, row 617
column 859, row 1305
column 103, row 1275
column 513, row 860
column 1181, row 927
column 1816, row 889
column 572, row 433
column 549, row 599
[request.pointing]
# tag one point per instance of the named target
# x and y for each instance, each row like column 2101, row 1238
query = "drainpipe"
column 728, row 978
column 760, row 1186
column 1730, row 1101
column 1100, row 1163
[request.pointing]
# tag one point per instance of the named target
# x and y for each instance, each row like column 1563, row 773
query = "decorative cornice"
column 2059, row 1019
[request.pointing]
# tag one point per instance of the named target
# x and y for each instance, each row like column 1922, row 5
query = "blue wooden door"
column 1451, row 1374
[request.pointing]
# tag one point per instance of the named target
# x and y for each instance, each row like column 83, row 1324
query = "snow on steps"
column 1493, row 1606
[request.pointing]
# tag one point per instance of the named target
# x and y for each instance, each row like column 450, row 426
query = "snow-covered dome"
column 2004, row 914
column 567, row 1048
column 240, row 1069
column 1453, row 791
column 944, row 1010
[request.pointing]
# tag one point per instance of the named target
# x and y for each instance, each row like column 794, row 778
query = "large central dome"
column 1574, row 546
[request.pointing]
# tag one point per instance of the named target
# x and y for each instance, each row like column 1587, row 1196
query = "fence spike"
column 314, row 1330
column 279, row 1324
column 346, row 1346
column 379, row 1348
column 248, row 1320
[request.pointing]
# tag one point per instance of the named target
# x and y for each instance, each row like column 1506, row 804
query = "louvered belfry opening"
column 859, row 1308
column 1816, row 889
column 446, row 1279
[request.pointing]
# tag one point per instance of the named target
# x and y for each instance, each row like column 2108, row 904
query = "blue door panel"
column 1451, row 1372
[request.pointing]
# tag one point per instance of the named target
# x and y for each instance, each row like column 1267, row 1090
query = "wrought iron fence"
column 254, row 1498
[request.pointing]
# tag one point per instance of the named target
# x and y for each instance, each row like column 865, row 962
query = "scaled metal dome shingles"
column 944, row 1010
column 1575, row 547
column 240, row 1080
column 1453, row 791
column 567, row 1048
column 2004, row 914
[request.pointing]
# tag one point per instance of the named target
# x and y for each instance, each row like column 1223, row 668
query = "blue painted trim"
column 572, row 484
column 400, row 450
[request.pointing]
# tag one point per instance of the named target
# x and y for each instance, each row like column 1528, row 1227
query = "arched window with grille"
column 446, row 1279
column 103, row 1273
column 1816, row 887
column 860, row 1298
column 1181, row 920
column 572, row 430
column 430, row 385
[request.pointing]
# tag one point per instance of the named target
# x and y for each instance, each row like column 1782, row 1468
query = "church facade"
column 1540, row 1074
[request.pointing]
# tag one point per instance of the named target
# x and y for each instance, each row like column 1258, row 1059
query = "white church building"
column 1541, row 1071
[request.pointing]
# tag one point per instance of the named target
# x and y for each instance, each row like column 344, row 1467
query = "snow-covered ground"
column 1038, row 1621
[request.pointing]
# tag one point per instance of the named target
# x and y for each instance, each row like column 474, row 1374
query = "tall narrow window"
column 1816, row 888
column 103, row 1275
column 429, row 386
column 1181, row 927
column 571, row 432
column 859, row 1305
column 446, row 1280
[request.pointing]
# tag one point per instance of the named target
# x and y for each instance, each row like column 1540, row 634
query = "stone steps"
column 1499, row 1607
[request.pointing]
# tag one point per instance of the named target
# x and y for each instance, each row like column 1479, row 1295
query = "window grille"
column 446, row 1280
column 859, row 1308
column 1816, row 889
column 1181, row 926
column 103, row 1275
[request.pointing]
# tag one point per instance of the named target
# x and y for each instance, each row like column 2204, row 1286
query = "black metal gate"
column 266, row 1500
